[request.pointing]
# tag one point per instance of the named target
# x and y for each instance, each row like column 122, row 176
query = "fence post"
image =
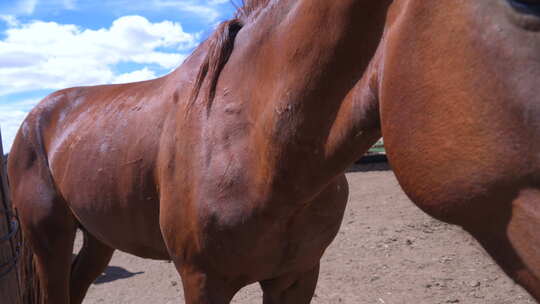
column 9, row 249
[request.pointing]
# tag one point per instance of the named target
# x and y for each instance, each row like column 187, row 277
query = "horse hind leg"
column 291, row 289
column 90, row 262
column 47, row 224
column 48, row 229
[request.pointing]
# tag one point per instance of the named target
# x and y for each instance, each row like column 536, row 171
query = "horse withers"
column 231, row 166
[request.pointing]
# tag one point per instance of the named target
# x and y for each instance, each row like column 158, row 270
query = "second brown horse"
column 460, row 112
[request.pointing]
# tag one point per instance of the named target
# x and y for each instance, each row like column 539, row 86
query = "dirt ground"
column 387, row 252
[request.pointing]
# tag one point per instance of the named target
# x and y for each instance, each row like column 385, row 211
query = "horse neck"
column 357, row 125
column 284, row 108
column 321, row 112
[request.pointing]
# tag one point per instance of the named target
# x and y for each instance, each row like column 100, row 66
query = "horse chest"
column 270, row 239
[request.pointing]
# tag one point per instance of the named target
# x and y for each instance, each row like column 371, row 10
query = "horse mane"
column 250, row 7
column 221, row 45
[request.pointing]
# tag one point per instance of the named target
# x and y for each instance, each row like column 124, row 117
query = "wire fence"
column 377, row 148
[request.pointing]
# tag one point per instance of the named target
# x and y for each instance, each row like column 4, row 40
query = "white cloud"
column 26, row 6
column 13, row 114
column 10, row 122
column 208, row 11
column 10, row 20
column 18, row 7
column 48, row 55
column 134, row 76
column 11, row 118
column 70, row 4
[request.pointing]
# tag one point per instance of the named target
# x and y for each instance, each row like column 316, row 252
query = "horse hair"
column 221, row 45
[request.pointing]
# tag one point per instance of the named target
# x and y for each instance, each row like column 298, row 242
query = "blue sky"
column 46, row 45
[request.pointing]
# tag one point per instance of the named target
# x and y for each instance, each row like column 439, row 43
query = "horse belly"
column 451, row 172
column 134, row 230
column 455, row 134
column 118, row 205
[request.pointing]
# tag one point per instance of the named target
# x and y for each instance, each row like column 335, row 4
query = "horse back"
column 100, row 145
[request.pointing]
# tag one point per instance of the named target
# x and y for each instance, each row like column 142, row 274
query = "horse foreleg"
column 92, row 259
column 291, row 289
column 204, row 288
column 514, row 243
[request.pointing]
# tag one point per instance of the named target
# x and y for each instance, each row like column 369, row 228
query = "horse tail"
column 13, row 268
column 27, row 160
column 29, row 285
column 22, row 262
column 30, row 289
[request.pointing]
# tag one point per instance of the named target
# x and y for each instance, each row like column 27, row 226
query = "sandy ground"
column 387, row 252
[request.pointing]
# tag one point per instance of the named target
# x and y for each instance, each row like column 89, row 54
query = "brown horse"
column 461, row 120
column 231, row 166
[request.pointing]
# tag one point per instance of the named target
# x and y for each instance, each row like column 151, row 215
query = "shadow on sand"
column 371, row 163
column 113, row 273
